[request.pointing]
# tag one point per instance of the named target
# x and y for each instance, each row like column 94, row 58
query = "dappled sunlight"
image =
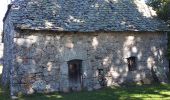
column 106, row 61
column 55, row 96
column 61, row 50
column 139, row 56
column 134, row 49
column 165, row 92
column 73, row 19
column 95, row 42
column 157, row 52
column 16, row 7
column 49, row 66
column 48, row 24
column 130, row 39
column 114, row 74
column 25, row 42
column 144, row 96
column 100, row 33
column 144, row 92
column 138, row 76
column 160, row 52
column 1, row 67
column 33, row 38
column 69, row 45
column 96, row 73
column 19, row 59
column 96, row 5
column 150, row 62
column 49, row 55
column 69, row 42
column 128, row 46
column 92, row 15
column 33, row 3
column 147, row 12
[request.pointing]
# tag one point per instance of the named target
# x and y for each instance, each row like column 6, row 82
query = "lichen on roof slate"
column 84, row 15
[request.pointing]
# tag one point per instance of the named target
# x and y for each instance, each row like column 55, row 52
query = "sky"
column 3, row 8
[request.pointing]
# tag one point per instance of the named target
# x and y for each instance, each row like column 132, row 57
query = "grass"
column 4, row 93
column 133, row 92
column 145, row 92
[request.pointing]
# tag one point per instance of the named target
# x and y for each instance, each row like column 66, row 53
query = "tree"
column 162, row 8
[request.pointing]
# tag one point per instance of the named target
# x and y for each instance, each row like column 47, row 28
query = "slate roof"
column 84, row 15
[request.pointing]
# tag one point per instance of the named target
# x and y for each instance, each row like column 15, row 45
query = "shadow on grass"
column 156, row 91
column 130, row 92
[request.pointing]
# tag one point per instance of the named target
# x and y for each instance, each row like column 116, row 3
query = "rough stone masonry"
column 41, row 59
column 74, row 45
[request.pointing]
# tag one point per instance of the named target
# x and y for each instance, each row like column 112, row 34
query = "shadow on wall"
column 39, row 56
column 42, row 52
column 87, row 15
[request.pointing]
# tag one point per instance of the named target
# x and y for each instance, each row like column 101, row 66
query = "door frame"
column 78, row 62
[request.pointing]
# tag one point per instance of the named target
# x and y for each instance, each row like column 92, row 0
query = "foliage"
column 162, row 7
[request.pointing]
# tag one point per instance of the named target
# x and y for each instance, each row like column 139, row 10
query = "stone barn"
column 74, row 45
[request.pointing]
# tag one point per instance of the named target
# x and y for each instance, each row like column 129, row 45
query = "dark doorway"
column 74, row 68
column 131, row 63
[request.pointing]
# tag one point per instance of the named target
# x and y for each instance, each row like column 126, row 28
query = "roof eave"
column 62, row 30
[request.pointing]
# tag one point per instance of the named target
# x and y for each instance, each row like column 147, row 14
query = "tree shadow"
column 97, row 15
column 123, row 93
column 34, row 52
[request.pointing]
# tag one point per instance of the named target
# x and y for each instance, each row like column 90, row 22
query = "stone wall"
column 41, row 57
column 8, row 35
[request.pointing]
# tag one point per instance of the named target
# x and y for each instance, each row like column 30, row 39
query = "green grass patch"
column 129, row 92
column 144, row 92
column 4, row 92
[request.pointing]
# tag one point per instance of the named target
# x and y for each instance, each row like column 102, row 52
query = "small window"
column 100, row 71
column 131, row 63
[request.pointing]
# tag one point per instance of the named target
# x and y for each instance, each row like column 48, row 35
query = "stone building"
column 70, row 45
